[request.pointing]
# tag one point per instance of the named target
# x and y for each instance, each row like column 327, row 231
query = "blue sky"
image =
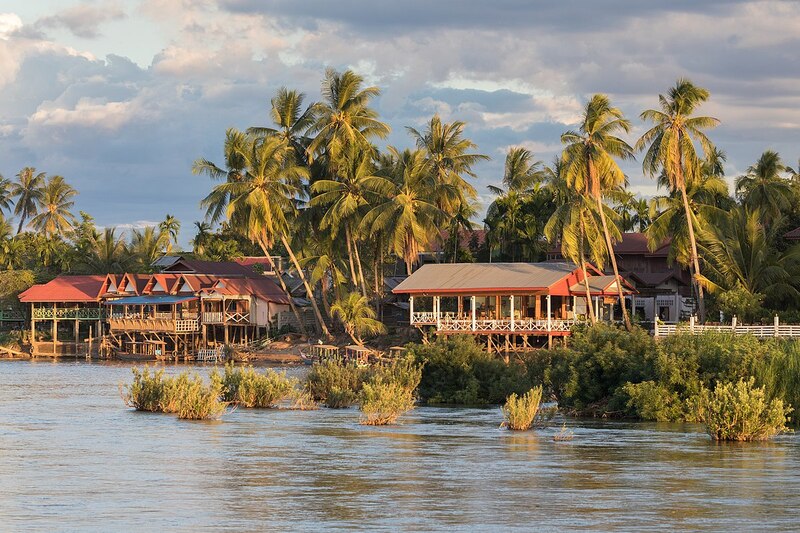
column 121, row 96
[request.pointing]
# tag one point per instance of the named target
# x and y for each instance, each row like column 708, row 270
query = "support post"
column 733, row 323
column 655, row 327
column 472, row 306
column 410, row 310
column 511, row 300
column 777, row 323
column 691, row 324
column 437, row 308
column 549, row 309
column 575, row 308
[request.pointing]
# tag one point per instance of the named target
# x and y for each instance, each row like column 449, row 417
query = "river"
column 75, row 458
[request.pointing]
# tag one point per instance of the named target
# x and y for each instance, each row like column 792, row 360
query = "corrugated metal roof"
column 66, row 289
column 461, row 277
column 159, row 299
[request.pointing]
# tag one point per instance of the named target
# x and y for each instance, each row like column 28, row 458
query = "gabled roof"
column 793, row 235
column 601, row 286
column 262, row 288
column 213, row 268
column 485, row 277
column 66, row 289
column 632, row 243
column 250, row 262
column 653, row 279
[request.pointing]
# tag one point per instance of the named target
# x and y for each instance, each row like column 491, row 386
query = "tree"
column 109, row 253
column 357, row 316
column 170, row 227
column 6, row 196
column 672, row 149
column 292, row 121
column 202, row 237
column 55, row 219
column 590, row 167
column 763, row 188
column 147, row 245
column 522, row 172
column 216, row 203
column 408, row 214
column 27, row 192
column 264, row 199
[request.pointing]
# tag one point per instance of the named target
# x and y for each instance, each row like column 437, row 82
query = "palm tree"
column 264, row 199
column 738, row 251
column 521, row 171
column 641, row 214
column 573, row 225
column 6, row 197
column 170, row 227
column 201, row 237
column 146, row 245
column 109, row 253
column 28, row 194
column 590, row 167
column 763, row 188
column 292, row 121
column 672, row 149
column 447, row 151
column 56, row 219
column 357, row 187
column 216, row 203
column 357, row 316
column 408, row 215
column 344, row 117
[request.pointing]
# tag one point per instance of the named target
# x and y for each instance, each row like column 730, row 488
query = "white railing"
column 503, row 324
column 761, row 331
column 237, row 318
column 212, row 317
column 424, row 317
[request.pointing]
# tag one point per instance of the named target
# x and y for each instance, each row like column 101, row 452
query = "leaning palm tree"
column 344, row 117
column 671, row 147
column 590, row 167
column 291, row 120
column 27, row 192
column 236, row 142
column 55, row 219
column 408, row 214
column 763, row 188
column 264, row 200
column 357, row 316
column 447, row 151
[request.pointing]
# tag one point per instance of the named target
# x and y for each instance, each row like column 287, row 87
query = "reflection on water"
column 73, row 457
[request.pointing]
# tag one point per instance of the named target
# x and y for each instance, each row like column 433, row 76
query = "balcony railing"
column 218, row 317
column 11, row 315
column 166, row 325
column 451, row 323
column 81, row 313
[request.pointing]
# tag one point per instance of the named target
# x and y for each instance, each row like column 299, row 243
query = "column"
column 574, row 308
column 511, row 299
column 437, row 309
column 472, row 305
column 411, row 310
column 549, row 310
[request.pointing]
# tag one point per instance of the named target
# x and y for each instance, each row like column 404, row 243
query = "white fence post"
column 411, row 310
column 777, row 326
column 733, row 323
column 655, row 327
column 691, row 324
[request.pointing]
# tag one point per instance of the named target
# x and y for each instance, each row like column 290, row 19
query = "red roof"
column 213, row 268
column 250, row 262
column 793, row 235
column 66, row 289
column 264, row 288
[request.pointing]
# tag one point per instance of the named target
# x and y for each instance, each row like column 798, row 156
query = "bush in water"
column 520, row 411
column 198, row 401
column 335, row 382
column 186, row 394
column 247, row 388
column 742, row 412
column 389, row 392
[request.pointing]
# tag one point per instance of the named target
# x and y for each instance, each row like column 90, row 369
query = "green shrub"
column 382, row 402
column 520, row 411
column 247, row 388
column 337, row 378
column 649, row 400
column 198, row 401
column 458, row 371
column 186, row 394
column 742, row 412
column 779, row 372
column 146, row 391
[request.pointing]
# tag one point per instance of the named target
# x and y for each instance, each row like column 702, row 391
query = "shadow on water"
column 75, row 458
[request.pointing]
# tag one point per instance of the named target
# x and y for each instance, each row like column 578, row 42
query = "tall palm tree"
column 201, row 237
column 358, row 317
column 447, row 151
column 170, row 227
column 6, row 197
column 291, row 120
column 573, row 226
column 216, row 203
column 763, row 188
column 522, row 171
column 344, row 117
column 55, row 219
column 27, row 192
column 672, row 149
column 590, row 166
column 109, row 253
column 408, row 215
column 264, row 200
column 147, row 245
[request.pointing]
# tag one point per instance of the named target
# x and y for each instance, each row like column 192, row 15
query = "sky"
column 120, row 97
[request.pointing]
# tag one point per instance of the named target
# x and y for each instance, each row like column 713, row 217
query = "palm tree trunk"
column 701, row 307
column 589, row 306
column 325, row 303
column 21, row 223
column 350, row 257
column 360, row 270
column 282, row 283
column 309, row 291
column 626, row 319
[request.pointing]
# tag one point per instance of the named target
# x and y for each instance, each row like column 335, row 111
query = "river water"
column 73, row 457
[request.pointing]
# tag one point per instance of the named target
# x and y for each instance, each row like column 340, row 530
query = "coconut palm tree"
column 590, row 166
column 201, row 237
column 738, row 252
column 357, row 316
column 265, row 199
column 522, row 171
column 109, row 253
column 147, row 245
column 447, row 151
column 27, row 192
column 344, row 117
column 291, row 120
column 55, row 219
column 670, row 145
column 6, row 198
column 764, row 189
column 170, row 227
column 408, row 215
column 236, row 143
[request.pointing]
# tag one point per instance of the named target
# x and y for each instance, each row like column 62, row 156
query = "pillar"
column 33, row 329
column 472, row 308
column 511, row 299
column 777, row 323
column 733, row 323
column 55, row 329
column 549, row 309
column 574, row 308
column 436, row 310
column 691, row 324
column 410, row 310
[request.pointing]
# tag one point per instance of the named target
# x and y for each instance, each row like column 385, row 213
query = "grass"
column 186, row 394
column 383, row 402
column 742, row 412
column 520, row 411
column 245, row 387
